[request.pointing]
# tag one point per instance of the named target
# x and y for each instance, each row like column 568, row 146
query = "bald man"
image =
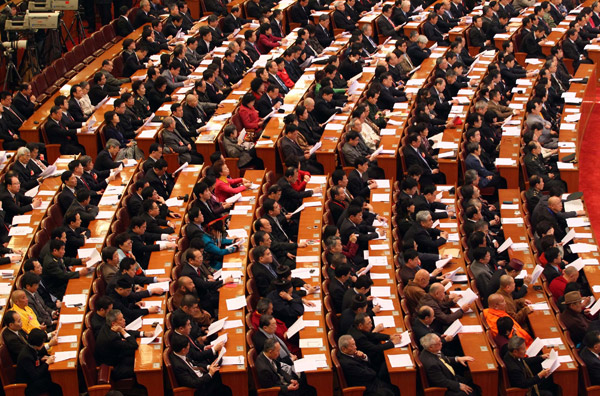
column 441, row 304
column 414, row 290
column 28, row 317
column 497, row 310
column 558, row 284
column 552, row 212
column 517, row 309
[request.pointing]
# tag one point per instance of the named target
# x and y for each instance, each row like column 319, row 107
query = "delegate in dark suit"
column 117, row 351
column 439, row 375
column 517, row 374
column 31, row 370
column 428, row 240
column 359, row 372
column 592, row 362
column 270, row 376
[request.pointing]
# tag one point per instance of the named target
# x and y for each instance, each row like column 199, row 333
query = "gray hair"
column 344, row 341
column 112, row 315
column 422, row 216
column 428, row 340
column 85, row 160
column 515, row 343
column 112, row 143
column 270, row 344
column 482, row 104
column 263, row 305
column 167, row 121
column 22, row 151
column 144, row 3
column 422, row 39
column 471, row 175
column 323, row 17
column 331, row 242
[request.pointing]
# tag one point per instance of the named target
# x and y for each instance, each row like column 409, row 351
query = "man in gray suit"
column 193, row 57
column 112, row 83
column 178, row 144
column 174, row 80
column 45, row 315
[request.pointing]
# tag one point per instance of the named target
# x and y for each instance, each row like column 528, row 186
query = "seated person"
column 271, row 372
column 55, row 274
column 520, row 369
column 32, row 366
column 202, row 376
column 215, row 245
column 372, row 343
column 440, row 372
column 589, row 354
column 126, row 303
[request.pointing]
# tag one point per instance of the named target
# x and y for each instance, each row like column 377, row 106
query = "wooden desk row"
column 148, row 357
column 64, row 373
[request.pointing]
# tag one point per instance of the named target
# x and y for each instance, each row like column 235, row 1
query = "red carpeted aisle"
column 589, row 167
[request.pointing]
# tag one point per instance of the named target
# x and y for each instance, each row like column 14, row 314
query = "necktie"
column 279, row 225
column 391, row 23
column 447, row 365
column 15, row 114
column 207, row 206
column 270, row 269
column 192, row 343
column 423, row 159
column 530, row 375
column 84, row 183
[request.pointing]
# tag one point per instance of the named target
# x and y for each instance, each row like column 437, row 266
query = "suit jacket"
column 265, row 105
column 433, row 33
column 56, row 276
column 263, row 278
column 26, row 174
column 269, row 377
column 230, row 23
column 417, row 55
column 215, row 6
column 132, row 64
column 323, row 35
column 438, row 375
column 477, row 37
column 386, row 28
column 359, row 372
column 186, row 376
column 343, row 20
column 111, row 347
column 276, row 28
column 142, row 18
column 105, row 162
column 357, row 184
column 424, row 161
column 163, row 185
column 516, row 371
column 592, row 362
column 531, row 46
column 428, row 240
column 14, row 343
column 42, row 311
column 23, row 105
column 290, row 198
column 372, row 344
column 15, row 206
column 33, row 371
column 124, row 27
column 300, row 14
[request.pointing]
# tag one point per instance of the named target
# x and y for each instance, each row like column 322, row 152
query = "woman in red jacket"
column 248, row 114
column 225, row 186
column 266, row 40
column 282, row 73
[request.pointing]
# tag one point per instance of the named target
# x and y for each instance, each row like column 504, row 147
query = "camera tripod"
column 78, row 23
column 12, row 74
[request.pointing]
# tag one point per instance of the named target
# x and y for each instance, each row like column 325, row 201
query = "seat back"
column 8, row 371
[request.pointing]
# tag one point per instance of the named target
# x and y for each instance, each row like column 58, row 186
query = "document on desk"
column 20, row 230
column 386, row 320
column 454, row 328
column 23, row 219
column 66, row 355
column 70, row 318
column 66, row 339
column 160, row 285
column 505, row 245
column 583, row 248
column 535, row 347
column 236, row 303
column 311, row 343
column 304, row 364
column 74, row 300
column 381, row 197
column 216, row 326
column 378, row 261
column 386, row 305
column 232, row 360
column 472, row 329
column 468, row 296
column 296, row 327
column 578, row 222
column 403, row 360
column 316, row 308
column 380, row 291
column 92, row 253
column 541, row 306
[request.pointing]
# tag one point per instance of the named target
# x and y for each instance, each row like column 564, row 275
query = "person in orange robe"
column 497, row 310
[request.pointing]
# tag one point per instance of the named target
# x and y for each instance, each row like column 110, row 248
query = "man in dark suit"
column 67, row 195
column 14, row 337
column 135, row 62
column 290, row 198
column 263, row 269
column 353, row 224
column 571, row 50
column 143, row 16
column 24, row 101
column 530, row 43
column 342, row 19
column 373, row 344
column 418, row 51
column 32, row 366
column 14, row 203
column 386, row 26
column 359, row 371
column 199, row 375
column 269, row 101
column 124, row 27
column 104, row 160
column 55, row 274
column 116, row 346
column 322, row 31
column 216, row 7
column 271, row 373
column 477, row 36
column 551, row 211
column 267, row 327
column 413, row 155
column 440, row 372
column 208, row 290
column 158, row 178
column 338, row 286
column 428, row 239
column 300, row 13
column 82, row 206
column 589, row 354
column 60, row 133
column 432, row 31
column 250, row 47
column 234, row 21
column 520, row 369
